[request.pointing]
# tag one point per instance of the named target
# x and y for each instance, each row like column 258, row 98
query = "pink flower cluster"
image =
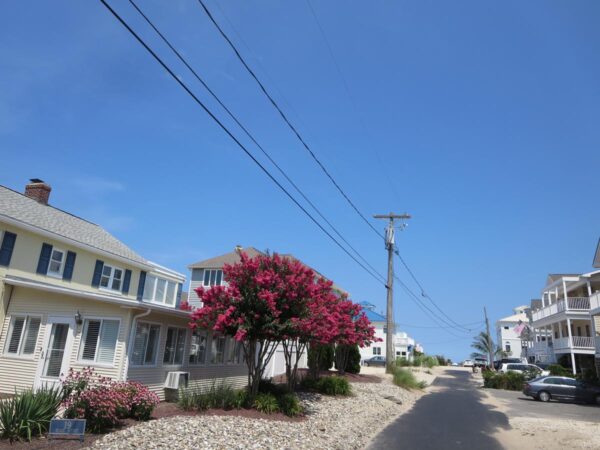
column 275, row 298
column 103, row 402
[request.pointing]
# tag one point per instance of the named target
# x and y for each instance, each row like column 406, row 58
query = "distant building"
column 404, row 345
column 509, row 331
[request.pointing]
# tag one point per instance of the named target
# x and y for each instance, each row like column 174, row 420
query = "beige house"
column 73, row 296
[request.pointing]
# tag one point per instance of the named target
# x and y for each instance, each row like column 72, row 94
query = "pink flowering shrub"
column 103, row 402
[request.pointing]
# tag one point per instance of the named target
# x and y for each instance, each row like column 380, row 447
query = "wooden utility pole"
column 390, row 354
column 490, row 344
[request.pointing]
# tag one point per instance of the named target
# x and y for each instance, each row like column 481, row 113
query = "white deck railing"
column 572, row 304
column 575, row 342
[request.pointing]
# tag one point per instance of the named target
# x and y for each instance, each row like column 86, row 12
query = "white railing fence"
column 572, row 304
column 576, row 342
column 579, row 303
column 595, row 301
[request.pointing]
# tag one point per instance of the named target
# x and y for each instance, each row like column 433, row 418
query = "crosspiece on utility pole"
column 389, row 245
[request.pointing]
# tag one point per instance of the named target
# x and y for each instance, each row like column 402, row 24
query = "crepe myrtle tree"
column 264, row 303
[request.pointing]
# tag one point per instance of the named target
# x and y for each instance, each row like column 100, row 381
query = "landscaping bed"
column 329, row 422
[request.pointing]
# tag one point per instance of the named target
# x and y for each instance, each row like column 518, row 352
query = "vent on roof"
column 37, row 190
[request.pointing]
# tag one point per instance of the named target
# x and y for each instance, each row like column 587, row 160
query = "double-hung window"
column 377, row 350
column 174, row 346
column 145, row 344
column 99, row 341
column 198, row 348
column 57, row 263
column 160, row 290
column 212, row 277
column 217, row 349
column 22, row 336
column 112, row 278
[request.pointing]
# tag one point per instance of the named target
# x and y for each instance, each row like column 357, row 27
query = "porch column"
column 571, row 345
column 544, row 299
column 564, row 283
column 589, row 286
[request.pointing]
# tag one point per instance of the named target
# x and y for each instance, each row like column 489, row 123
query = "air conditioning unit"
column 176, row 380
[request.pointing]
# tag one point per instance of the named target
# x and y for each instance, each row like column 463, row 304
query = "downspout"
column 130, row 342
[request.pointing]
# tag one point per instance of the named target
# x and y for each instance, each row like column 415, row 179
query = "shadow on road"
column 451, row 417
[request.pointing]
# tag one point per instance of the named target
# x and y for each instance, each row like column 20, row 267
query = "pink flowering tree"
column 263, row 304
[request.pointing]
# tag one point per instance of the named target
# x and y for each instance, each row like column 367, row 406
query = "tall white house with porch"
column 563, row 328
column 595, row 313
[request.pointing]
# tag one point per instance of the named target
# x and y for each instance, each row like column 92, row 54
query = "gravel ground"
column 332, row 423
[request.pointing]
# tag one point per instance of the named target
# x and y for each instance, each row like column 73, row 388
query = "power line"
column 351, row 98
column 434, row 327
column 285, row 119
column 423, row 293
column 230, row 134
column 252, row 138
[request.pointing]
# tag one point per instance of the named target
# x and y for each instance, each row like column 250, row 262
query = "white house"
column 404, row 345
column 510, row 339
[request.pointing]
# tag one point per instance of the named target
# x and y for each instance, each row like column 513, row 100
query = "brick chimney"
column 38, row 191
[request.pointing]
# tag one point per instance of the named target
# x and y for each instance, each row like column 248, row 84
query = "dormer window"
column 212, row 277
column 112, row 278
column 160, row 290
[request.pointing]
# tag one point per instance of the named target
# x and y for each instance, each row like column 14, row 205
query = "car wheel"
column 544, row 396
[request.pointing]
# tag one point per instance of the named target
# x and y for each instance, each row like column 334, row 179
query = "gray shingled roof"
column 17, row 206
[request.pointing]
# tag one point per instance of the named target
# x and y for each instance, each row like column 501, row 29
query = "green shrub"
column 268, row 387
column 512, row 381
column 406, row 379
column 320, row 357
column 559, row 371
column 425, row 360
column 309, row 384
column 402, row 362
column 28, row 413
column 333, row 385
column 290, row 405
column 352, row 360
column 266, row 403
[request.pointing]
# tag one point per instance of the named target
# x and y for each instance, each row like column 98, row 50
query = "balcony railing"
column 582, row 342
column 572, row 304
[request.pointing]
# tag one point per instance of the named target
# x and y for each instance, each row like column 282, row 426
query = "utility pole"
column 389, row 245
column 489, row 339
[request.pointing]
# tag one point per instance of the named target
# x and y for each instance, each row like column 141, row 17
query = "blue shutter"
column 126, row 282
column 69, row 265
column 178, row 298
column 44, row 260
column 6, row 249
column 140, row 291
column 97, row 273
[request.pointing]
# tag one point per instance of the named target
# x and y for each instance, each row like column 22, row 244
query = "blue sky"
column 484, row 118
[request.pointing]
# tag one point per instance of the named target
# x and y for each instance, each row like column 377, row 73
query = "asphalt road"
column 453, row 416
column 520, row 405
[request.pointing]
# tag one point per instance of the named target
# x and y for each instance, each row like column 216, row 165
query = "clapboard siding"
column 20, row 373
column 201, row 376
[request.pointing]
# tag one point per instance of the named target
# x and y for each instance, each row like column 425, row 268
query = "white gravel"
column 332, row 423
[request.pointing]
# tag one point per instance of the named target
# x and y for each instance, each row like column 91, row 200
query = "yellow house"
column 74, row 296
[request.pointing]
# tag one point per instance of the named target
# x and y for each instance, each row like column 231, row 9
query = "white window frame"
column 58, row 274
column 206, row 349
column 155, row 364
column 87, row 362
column 216, row 273
column 185, row 336
column 376, row 351
column 153, row 299
column 19, row 354
column 111, row 278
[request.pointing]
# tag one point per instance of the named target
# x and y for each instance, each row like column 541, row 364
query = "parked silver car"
column 375, row 361
column 562, row 388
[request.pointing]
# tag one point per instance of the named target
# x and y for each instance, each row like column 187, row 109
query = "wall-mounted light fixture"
column 78, row 318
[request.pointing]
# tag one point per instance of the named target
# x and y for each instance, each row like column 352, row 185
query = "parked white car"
column 468, row 363
column 522, row 368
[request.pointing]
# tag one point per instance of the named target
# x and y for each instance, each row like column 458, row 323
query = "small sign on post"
column 67, row 428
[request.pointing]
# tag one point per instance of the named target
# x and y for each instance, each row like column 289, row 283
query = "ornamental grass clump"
column 266, row 403
column 28, row 413
column 404, row 378
column 334, row 385
column 221, row 396
column 290, row 405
